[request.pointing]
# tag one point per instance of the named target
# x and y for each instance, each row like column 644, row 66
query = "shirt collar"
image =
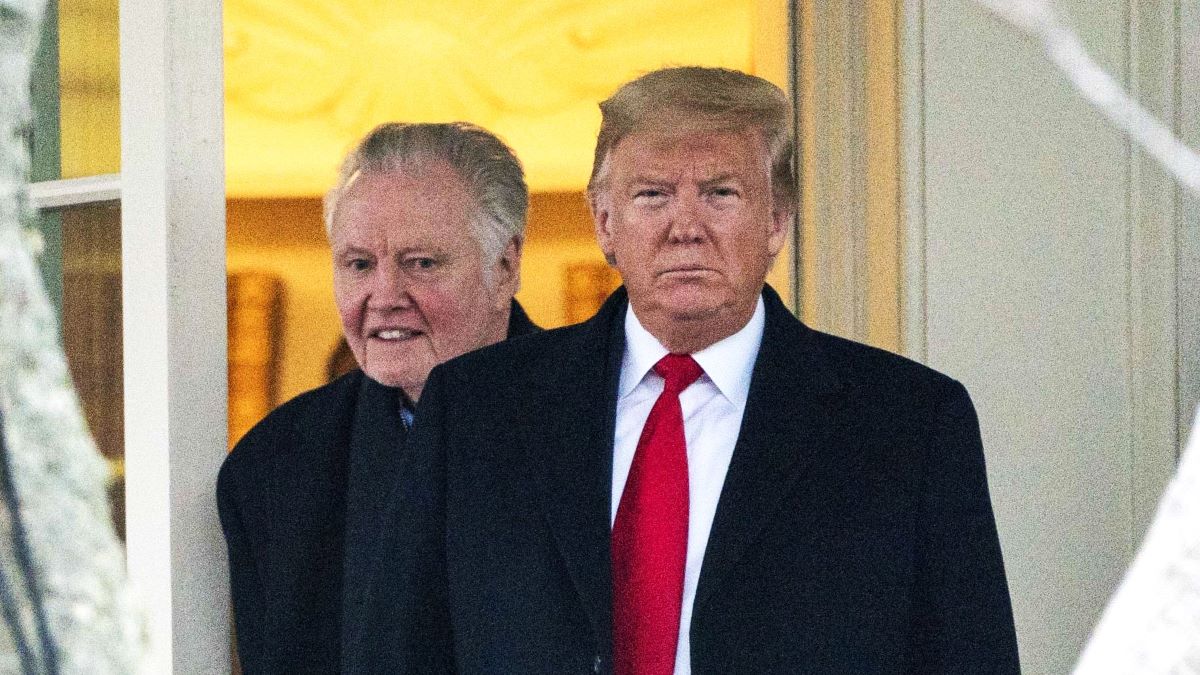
column 728, row 363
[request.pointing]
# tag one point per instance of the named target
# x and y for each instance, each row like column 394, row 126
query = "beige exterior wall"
column 976, row 214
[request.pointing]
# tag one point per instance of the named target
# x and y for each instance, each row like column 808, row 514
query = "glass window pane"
column 89, row 113
column 91, row 327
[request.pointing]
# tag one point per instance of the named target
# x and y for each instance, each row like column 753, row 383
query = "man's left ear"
column 508, row 271
column 781, row 220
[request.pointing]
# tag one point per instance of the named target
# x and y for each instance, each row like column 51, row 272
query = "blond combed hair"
column 699, row 99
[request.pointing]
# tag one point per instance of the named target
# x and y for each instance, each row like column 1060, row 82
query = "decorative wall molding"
column 848, row 97
column 1187, row 123
column 306, row 78
column 1153, row 74
column 913, row 309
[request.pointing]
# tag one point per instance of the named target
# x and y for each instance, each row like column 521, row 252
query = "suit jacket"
column 299, row 498
column 854, row 532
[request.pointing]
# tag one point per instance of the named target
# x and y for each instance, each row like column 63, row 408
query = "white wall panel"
column 1040, row 270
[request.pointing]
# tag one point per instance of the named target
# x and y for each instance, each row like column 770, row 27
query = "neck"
column 499, row 326
column 688, row 335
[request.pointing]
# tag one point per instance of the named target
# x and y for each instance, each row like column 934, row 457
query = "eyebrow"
column 428, row 251
column 350, row 250
column 648, row 180
column 721, row 178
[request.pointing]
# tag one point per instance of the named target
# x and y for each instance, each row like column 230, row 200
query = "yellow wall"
column 559, row 233
column 286, row 238
column 306, row 78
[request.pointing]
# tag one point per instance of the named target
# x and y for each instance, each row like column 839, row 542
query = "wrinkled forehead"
column 427, row 196
column 741, row 148
column 414, row 184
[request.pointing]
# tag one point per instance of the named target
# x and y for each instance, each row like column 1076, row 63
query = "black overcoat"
column 854, row 532
column 299, row 498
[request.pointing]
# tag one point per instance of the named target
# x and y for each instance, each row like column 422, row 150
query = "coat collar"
column 376, row 438
column 519, row 323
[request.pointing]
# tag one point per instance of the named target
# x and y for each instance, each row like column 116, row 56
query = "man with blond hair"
column 692, row 480
column 426, row 225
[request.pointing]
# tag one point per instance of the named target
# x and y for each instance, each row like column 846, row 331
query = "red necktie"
column 649, row 537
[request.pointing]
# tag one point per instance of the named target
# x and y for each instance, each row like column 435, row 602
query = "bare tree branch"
column 1039, row 20
column 57, row 476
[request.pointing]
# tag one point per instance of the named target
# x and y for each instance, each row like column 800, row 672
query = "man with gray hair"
column 692, row 481
column 426, row 225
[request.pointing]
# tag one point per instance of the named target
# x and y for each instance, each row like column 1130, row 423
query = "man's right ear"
column 601, row 216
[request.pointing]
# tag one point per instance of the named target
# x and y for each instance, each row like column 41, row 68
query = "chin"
column 692, row 311
column 692, row 301
column 387, row 378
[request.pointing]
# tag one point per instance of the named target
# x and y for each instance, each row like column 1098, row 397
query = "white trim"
column 833, row 212
column 173, row 276
column 1187, row 120
column 57, row 194
column 850, row 266
column 1152, row 223
column 913, row 337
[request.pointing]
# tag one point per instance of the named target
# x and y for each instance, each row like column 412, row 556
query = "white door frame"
column 172, row 194
column 173, row 278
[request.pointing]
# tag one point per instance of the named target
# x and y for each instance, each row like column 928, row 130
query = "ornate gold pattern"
column 305, row 78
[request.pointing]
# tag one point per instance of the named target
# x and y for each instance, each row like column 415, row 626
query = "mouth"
column 686, row 272
column 394, row 334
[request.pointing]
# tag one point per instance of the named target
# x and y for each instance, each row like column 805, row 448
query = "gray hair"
column 489, row 168
column 694, row 98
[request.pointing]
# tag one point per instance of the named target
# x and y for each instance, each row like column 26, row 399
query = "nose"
column 389, row 289
column 686, row 224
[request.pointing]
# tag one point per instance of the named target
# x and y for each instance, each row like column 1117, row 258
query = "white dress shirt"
column 712, row 415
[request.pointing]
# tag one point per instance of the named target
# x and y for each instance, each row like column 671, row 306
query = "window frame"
column 172, row 195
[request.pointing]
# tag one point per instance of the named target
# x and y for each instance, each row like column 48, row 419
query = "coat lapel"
column 791, row 419
column 376, row 439
column 572, row 465
column 792, row 416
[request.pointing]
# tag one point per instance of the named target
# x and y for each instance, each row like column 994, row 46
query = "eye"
column 650, row 196
column 422, row 263
column 725, row 192
column 358, row 264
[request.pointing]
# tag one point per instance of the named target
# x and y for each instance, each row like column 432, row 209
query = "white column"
column 173, row 257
